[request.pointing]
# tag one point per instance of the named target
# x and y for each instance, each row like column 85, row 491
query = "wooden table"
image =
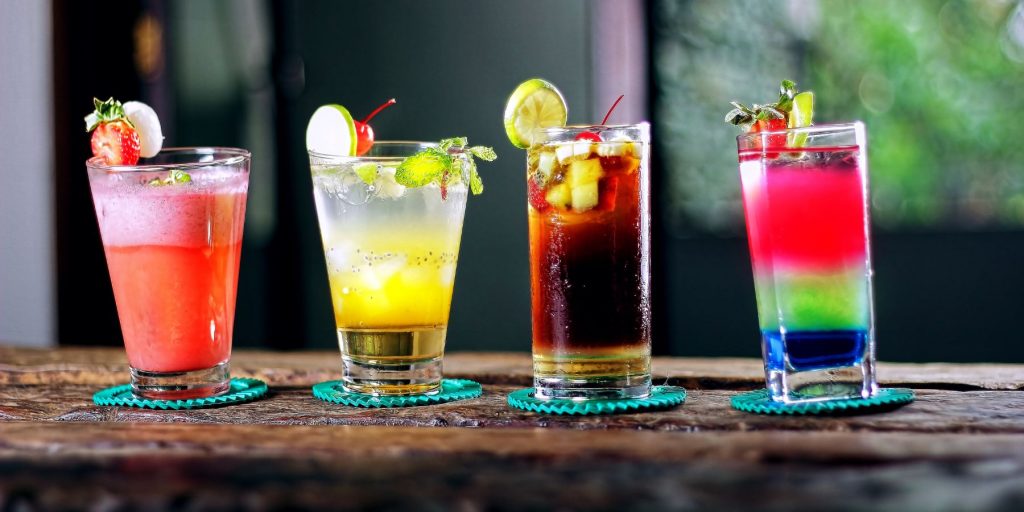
column 959, row 447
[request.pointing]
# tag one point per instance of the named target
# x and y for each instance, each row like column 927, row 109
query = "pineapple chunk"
column 584, row 171
column 559, row 196
column 585, row 196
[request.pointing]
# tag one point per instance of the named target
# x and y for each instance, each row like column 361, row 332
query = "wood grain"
column 108, row 366
column 959, row 447
column 258, row 467
column 934, row 411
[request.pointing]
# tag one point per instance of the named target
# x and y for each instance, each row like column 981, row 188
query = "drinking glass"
column 391, row 253
column 805, row 196
column 589, row 218
column 172, row 234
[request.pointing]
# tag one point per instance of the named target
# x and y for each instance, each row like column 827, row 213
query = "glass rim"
column 375, row 158
column 232, row 156
column 594, row 127
column 812, row 129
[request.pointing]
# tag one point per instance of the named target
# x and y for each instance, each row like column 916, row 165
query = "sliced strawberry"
column 114, row 138
column 772, row 125
column 116, row 142
column 535, row 195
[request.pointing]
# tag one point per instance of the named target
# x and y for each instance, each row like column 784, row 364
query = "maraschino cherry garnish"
column 593, row 137
column 363, row 131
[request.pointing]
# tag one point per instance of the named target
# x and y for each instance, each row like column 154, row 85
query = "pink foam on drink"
column 198, row 214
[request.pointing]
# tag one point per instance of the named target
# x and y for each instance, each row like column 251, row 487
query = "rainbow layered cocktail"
column 805, row 198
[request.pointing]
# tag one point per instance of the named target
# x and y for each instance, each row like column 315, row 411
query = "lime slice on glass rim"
column 535, row 104
column 332, row 131
column 799, row 117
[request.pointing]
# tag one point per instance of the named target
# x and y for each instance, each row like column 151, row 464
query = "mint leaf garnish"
column 424, row 167
column 174, row 177
column 476, row 185
column 366, row 172
column 742, row 115
column 443, row 164
column 454, row 142
column 483, row 153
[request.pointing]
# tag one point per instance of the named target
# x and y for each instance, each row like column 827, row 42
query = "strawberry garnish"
column 535, row 194
column 770, row 117
column 114, row 138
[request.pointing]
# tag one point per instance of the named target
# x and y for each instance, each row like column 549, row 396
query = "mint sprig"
column 742, row 115
column 174, row 177
column 443, row 163
column 106, row 111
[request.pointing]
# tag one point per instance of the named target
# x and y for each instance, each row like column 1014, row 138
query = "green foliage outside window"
column 939, row 84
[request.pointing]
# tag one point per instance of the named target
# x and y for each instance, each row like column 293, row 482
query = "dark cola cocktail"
column 589, row 216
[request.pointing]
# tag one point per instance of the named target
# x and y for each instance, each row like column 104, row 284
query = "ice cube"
column 546, row 164
column 379, row 270
column 564, row 152
column 388, row 188
column 619, row 146
column 581, row 149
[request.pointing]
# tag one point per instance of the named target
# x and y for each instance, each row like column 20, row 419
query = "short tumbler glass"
column 805, row 196
column 172, row 233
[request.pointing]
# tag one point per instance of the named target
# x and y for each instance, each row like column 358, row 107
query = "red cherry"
column 593, row 137
column 364, row 134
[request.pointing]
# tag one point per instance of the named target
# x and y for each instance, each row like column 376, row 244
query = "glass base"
column 181, row 385
column 592, row 377
column 392, row 362
column 822, row 385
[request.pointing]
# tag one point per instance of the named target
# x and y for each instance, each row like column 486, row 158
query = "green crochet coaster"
column 661, row 397
column 759, row 402
column 242, row 390
column 451, row 391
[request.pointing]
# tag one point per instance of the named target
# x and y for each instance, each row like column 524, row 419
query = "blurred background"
column 939, row 83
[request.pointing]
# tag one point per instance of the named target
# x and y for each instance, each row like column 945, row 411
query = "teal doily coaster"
column 242, row 390
column 661, row 397
column 451, row 390
column 759, row 402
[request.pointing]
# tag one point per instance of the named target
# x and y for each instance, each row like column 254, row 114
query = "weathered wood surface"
column 108, row 366
column 192, row 467
column 959, row 447
column 704, row 411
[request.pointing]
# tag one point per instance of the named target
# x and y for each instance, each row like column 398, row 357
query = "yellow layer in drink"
column 394, row 278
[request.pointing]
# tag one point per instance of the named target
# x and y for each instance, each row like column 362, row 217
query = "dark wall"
column 938, row 297
column 451, row 70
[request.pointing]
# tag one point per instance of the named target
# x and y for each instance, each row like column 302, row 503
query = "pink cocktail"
column 172, row 234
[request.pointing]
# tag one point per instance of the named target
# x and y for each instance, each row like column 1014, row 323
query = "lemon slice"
column 332, row 131
column 533, row 105
column 800, row 116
